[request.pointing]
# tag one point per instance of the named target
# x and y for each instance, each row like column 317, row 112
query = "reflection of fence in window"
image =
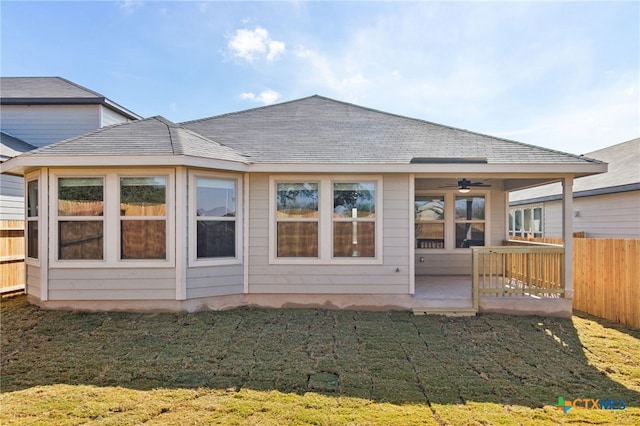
column 151, row 209
column 343, row 241
column 80, row 240
column 80, row 208
column 297, row 239
column 143, row 238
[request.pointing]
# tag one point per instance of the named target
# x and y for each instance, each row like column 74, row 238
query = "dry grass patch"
column 260, row 366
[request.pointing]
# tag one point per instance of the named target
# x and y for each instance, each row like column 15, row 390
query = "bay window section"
column 80, row 218
column 470, row 221
column 216, row 218
column 33, row 216
column 297, row 219
column 354, row 219
column 430, row 221
column 143, row 217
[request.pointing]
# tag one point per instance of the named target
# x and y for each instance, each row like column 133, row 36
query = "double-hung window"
column 430, row 221
column 143, row 217
column 470, row 221
column 216, row 218
column 297, row 219
column 33, row 218
column 354, row 219
column 80, row 218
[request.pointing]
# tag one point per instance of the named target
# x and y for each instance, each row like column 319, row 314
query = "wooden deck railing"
column 517, row 270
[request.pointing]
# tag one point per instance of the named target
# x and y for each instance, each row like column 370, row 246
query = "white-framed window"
column 112, row 218
column 216, row 212
column 526, row 221
column 32, row 219
column 354, row 219
column 449, row 221
column 80, row 217
column 143, row 217
column 430, row 214
column 325, row 219
column 470, row 220
column 297, row 219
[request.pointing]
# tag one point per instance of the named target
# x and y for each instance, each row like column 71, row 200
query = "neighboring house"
column 312, row 202
column 604, row 206
column 43, row 110
column 12, row 187
column 37, row 111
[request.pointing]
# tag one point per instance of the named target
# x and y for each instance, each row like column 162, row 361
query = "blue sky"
column 563, row 75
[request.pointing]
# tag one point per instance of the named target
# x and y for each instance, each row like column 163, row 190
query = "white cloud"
column 252, row 45
column 265, row 97
column 276, row 48
column 128, row 6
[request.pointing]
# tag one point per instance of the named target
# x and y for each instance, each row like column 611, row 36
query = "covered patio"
column 516, row 276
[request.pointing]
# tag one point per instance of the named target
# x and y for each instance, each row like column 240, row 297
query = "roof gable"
column 322, row 130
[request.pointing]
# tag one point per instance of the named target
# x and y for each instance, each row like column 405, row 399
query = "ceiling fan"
column 464, row 185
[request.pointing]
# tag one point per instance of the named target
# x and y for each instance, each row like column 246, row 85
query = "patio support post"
column 567, row 235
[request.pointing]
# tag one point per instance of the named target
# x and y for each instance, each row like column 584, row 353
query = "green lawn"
column 281, row 366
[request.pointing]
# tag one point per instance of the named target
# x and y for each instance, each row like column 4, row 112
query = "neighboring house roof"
column 321, row 130
column 155, row 136
column 623, row 175
column 11, row 146
column 53, row 91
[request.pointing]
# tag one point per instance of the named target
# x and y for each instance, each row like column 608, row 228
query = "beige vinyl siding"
column 600, row 216
column 214, row 281
column 33, row 281
column 11, row 198
column 608, row 216
column 328, row 278
column 552, row 219
column 41, row 125
column 110, row 117
column 112, row 284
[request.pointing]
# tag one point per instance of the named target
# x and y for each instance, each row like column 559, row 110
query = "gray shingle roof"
column 10, row 146
column 149, row 137
column 623, row 172
column 43, row 87
column 321, row 130
column 52, row 90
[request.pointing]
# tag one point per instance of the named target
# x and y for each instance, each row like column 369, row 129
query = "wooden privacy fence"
column 606, row 277
column 12, row 271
